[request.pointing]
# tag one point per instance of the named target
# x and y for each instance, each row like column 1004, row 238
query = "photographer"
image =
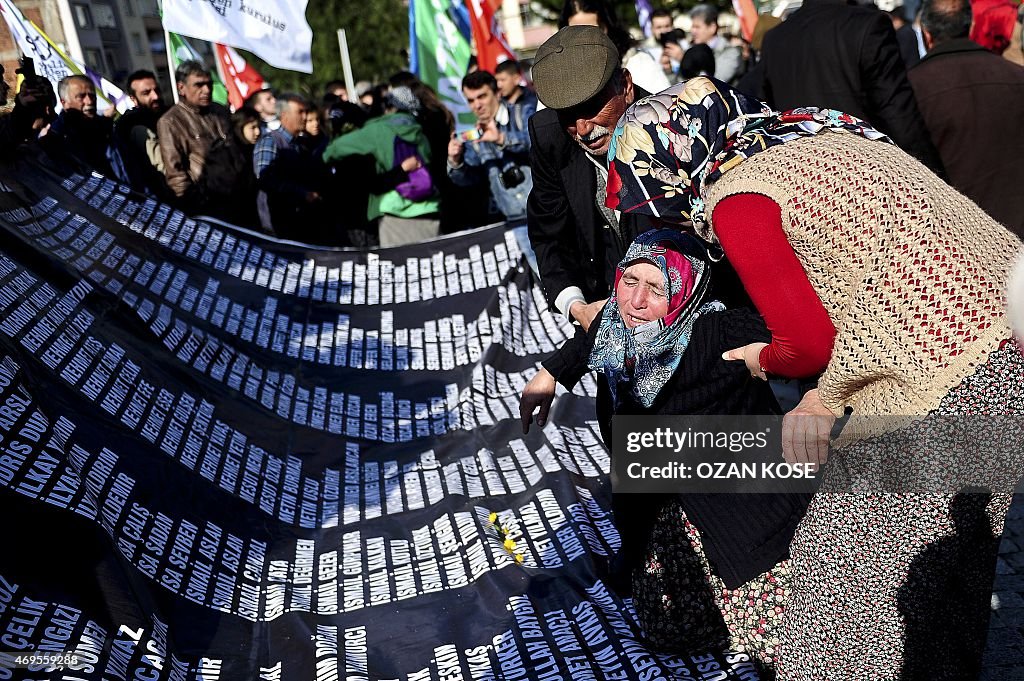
column 33, row 109
column 497, row 151
column 673, row 47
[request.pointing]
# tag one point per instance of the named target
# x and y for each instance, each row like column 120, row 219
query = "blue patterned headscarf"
column 668, row 147
column 645, row 357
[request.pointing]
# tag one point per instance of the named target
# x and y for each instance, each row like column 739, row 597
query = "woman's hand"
column 539, row 392
column 806, row 430
column 411, row 163
column 751, row 356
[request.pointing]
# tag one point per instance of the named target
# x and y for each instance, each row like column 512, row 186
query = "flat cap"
column 573, row 65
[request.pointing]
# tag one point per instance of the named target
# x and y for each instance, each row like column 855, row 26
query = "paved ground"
column 1004, row 656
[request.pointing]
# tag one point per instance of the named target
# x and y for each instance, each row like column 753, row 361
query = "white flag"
column 50, row 62
column 275, row 30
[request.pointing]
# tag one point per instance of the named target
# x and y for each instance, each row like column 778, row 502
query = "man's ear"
column 929, row 42
column 627, row 86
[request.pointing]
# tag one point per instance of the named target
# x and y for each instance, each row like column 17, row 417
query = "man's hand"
column 751, row 356
column 490, row 133
column 666, row 63
column 539, row 392
column 673, row 51
column 806, row 430
column 584, row 313
column 312, row 197
column 455, row 150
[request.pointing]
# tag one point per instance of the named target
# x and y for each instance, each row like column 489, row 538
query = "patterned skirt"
column 896, row 585
column 683, row 607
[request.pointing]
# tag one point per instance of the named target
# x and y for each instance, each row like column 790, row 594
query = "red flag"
column 746, row 10
column 488, row 38
column 240, row 79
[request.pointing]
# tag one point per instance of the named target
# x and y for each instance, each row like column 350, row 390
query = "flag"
column 441, row 54
column 182, row 50
column 643, row 15
column 746, row 10
column 489, row 40
column 230, row 457
column 51, row 63
column 239, row 77
column 275, row 30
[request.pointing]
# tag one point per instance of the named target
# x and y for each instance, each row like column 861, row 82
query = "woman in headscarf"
column 658, row 342
column 868, row 268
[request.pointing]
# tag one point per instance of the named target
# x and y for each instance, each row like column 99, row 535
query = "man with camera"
column 497, row 151
column 33, row 109
column 667, row 43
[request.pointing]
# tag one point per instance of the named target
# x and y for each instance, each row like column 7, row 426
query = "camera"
column 472, row 135
column 676, row 36
column 27, row 68
column 512, row 176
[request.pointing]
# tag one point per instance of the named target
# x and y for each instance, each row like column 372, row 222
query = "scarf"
column 668, row 147
column 645, row 357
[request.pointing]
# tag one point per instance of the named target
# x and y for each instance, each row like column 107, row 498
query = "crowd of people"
column 835, row 202
column 385, row 171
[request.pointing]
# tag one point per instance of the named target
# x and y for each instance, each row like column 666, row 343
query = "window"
column 83, row 17
column 103, row 15
column 94, row 60
column 156, row 42
column 129, row 8
column 137, row 44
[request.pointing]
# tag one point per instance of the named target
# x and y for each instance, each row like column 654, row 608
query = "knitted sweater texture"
column 912, row 273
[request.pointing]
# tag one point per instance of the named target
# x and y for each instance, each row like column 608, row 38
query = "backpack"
column 419, row 186
column 224, row 168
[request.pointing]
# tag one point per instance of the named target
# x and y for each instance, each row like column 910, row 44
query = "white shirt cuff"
column 566, row 298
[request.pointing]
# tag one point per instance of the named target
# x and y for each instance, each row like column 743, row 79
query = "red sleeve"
column 749, row 227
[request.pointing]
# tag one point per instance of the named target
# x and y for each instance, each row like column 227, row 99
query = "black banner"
column 226, row 457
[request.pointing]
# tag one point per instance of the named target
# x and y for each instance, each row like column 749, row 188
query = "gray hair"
column 285, row 99
column 65, row 84
column 706, row 13
column 190, row 67
column 401, row 98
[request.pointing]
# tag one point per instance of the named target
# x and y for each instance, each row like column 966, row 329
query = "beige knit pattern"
column 911, row 272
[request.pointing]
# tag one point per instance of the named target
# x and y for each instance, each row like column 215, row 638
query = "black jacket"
column 129, row 138
column 832, row 55
column 972, row 102
column 566, row 230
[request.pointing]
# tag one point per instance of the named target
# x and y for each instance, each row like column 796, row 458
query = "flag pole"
column 170, row 64
column 346, row 65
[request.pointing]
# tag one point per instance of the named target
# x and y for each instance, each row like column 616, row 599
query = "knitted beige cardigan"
column 911, row 272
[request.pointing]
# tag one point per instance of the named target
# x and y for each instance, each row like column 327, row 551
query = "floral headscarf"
column 645, row 357
column 668, row 147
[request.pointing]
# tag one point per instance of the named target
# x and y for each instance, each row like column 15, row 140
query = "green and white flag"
column 440, row 54
column 182, row 50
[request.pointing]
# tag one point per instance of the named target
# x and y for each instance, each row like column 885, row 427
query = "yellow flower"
column 510, row 545
column 519, row 558
column 493, row 518
column 633, row 138
column 696, row 90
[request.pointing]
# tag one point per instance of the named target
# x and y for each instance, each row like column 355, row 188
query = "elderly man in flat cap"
column 578, row 241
